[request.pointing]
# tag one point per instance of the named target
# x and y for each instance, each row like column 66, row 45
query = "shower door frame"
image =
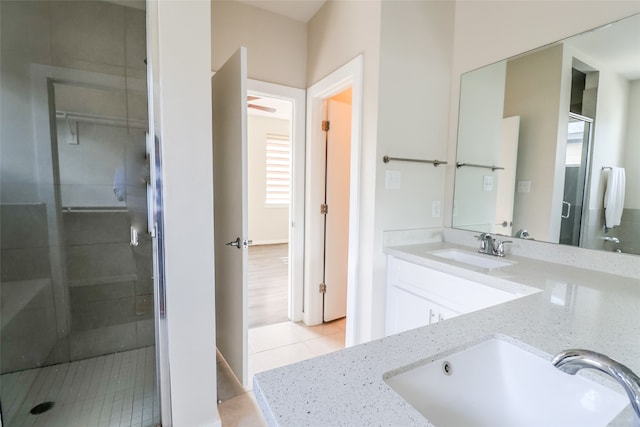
column 586, row 191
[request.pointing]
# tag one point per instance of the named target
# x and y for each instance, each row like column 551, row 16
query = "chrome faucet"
column 488, row 245
column 571, row 361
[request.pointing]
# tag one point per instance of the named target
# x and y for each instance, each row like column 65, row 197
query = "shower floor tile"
column 114, row 390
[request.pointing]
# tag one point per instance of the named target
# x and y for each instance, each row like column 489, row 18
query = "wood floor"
column 268, row 289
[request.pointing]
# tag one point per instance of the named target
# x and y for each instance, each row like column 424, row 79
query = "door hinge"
column 322, row 288
column 325, row 126
column 324, row 209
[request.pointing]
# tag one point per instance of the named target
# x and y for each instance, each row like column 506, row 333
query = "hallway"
column 268, row 290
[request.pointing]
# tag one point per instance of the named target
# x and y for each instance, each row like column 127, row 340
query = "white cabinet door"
column 406, row 311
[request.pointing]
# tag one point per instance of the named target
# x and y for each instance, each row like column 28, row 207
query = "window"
column 278, row 170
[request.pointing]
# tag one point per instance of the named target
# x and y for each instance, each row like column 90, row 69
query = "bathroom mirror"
column 540, row 133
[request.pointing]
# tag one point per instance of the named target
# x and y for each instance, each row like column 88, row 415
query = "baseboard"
column 269, row 242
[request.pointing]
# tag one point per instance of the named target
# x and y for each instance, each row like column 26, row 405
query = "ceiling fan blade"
column 260, row 107
column 252, row 98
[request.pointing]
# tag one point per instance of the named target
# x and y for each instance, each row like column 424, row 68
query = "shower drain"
column 41, row 407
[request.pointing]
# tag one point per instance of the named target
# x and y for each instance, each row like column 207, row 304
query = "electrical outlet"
column 435, row 209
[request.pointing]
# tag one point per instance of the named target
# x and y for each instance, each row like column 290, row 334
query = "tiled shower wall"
column 628, row 232
column 28, row 332
column 110, row 288
column 110, row 285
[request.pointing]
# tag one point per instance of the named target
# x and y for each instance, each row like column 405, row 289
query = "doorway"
column 276, row 132
column 318, row 181
column 335, row 208
column 269, row 139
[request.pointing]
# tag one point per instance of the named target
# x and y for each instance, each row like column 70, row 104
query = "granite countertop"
column 577, row 308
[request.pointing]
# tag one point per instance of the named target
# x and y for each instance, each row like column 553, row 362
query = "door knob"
column 240, row 243
column 237, row 243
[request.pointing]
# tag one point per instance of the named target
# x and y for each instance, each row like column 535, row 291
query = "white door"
column 336, row 252
column 229, row 93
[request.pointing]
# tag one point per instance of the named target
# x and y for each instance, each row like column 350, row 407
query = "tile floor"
column 113, row 390
column 119, row 389
column 270, row 347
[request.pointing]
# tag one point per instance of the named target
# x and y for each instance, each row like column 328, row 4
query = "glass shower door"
column 577, row 155
column 78, row 330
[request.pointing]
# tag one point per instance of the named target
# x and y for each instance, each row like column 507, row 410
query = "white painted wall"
column 276, row 45
column 415, row 76
column 516, row 27
column 632, row 148
column 181, row 71
column 339, row 32
column 267, row 223
column 406, row 95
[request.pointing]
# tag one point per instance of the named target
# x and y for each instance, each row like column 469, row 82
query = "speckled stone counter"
column 577, row 308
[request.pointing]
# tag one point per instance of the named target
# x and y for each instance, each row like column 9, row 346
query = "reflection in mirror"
column 554, row 126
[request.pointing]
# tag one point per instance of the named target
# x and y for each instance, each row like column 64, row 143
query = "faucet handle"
column 483, row 243
column 500, row 248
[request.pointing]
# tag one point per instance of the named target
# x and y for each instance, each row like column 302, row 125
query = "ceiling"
column 284, row 109
column 300, row 10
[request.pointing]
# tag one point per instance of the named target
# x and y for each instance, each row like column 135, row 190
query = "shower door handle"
column 568, row 210
column 135, row 241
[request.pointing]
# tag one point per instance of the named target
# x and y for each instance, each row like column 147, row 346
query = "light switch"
column 487, row 183
column 392, row 180
column 524, row 186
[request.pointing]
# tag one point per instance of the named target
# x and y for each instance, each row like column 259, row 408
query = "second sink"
column 482, row 261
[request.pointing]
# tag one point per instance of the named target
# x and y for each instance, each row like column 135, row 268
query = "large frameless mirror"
column 549, row 143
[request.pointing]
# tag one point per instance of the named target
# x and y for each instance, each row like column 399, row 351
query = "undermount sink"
column 498, row 383
column 478, row 260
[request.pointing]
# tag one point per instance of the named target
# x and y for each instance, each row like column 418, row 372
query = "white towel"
column 614, row 197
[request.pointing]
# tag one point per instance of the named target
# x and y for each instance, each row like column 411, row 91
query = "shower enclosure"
column 76, row 283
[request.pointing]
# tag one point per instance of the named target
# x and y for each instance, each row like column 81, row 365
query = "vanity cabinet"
column 407, row 310
column 420, row 296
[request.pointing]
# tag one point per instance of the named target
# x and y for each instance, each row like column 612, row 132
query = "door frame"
column 296, row 206
column 348, row 75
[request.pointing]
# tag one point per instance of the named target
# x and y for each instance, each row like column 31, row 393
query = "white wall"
column 181, row 71
column 632, row 148
column 516, row 27
column 267, row 224
column 416, row 45
column 276, row 45
column 340, row 31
